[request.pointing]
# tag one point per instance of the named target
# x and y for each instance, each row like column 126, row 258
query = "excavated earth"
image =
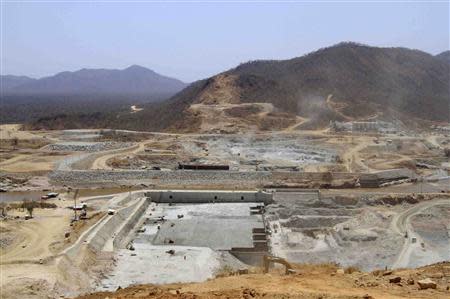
column 309, row 281
column 360, row 232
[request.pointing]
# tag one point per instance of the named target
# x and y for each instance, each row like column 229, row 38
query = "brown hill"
column 347, row 81
column 344, row 82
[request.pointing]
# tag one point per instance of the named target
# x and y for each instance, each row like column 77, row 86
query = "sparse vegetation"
column 29, row 206
column 114, row 135
column 25, row 204
column 447, row 152
column 351, row 269
column 299, row 86
column 225, row 271
column 16, row 143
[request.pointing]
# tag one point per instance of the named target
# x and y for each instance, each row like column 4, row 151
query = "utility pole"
column 421, row 184
column 75, row 206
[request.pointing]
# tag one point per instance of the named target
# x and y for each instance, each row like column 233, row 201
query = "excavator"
column 267, row 259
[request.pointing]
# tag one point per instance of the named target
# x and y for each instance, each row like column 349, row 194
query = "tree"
column 4, row 209
column 15, row 142
column 447, row 152
column 29, row 206
column 30, row 209
column 327, row 177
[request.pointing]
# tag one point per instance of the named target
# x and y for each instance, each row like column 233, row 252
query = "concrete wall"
column 253, row 258
column 114, row 230
column 314, row 176
column 111, row 230
column 192, row 196
column 127, row 226
column 110, row 227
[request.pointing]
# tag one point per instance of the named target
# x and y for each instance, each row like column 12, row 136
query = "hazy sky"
column 191, row 41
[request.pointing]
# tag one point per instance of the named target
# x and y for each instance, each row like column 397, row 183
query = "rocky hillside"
column 444, row 56
column 347, row 81
column 344, row 82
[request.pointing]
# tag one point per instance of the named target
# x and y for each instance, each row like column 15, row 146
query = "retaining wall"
column 110, row 232
column 114, row 230
column 193, row 177
column 212, row 196
column 124, row 231
column 118, row 225
column 249, row 256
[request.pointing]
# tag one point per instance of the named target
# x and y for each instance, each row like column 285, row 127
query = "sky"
column 192, row 41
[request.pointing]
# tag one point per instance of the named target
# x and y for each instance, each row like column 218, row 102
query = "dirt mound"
column 310, row 281
column 28, row 288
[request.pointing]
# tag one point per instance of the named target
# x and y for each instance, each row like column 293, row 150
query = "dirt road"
column 351, row 156
column 101, row 161
column 401, row 224
column 36, row 236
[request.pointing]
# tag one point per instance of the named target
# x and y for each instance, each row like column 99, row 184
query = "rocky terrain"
column 344, row 82
column 310, row 281
column 306, row 228
column 79, row 146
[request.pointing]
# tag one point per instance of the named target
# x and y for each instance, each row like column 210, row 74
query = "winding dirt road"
column 402, row 225
column 101, row 162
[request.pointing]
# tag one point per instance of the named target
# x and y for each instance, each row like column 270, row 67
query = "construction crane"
column 267, row 259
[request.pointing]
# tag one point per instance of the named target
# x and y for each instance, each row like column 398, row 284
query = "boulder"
column 426, row 284
column 395, row 279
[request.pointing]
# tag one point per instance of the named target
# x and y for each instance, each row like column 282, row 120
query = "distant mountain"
column 132, row 80
column 10, row 81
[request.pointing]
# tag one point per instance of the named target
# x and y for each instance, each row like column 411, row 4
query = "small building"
column 203, row 167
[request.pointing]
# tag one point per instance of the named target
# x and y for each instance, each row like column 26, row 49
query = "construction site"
column 87, row 212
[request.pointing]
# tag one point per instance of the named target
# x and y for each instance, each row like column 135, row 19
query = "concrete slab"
column 151, row 264
column 201, row 237
column 217, row 233
column 219, row 226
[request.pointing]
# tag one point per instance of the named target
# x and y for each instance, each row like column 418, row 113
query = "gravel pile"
column 87, row 146
column 7, row 183
column 6, row 239
column 66, row 163
column 175, row 177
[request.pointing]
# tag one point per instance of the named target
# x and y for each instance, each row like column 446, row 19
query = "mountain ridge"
column 11, row 81
column 344, row 82
column 131, row 80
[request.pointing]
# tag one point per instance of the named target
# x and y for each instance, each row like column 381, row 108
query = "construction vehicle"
column 267, row 259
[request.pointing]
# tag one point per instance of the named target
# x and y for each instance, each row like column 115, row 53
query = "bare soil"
column 318, row 281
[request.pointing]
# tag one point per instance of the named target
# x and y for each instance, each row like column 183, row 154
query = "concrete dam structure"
column 209, row 196
column 197, row 233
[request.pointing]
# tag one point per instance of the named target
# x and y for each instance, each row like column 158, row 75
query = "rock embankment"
column 156, row 176
column 87, row 146
column 220, row 178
